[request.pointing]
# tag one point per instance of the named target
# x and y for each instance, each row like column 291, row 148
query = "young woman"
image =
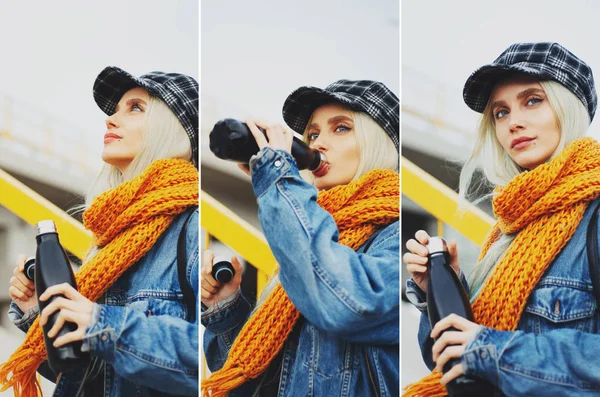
column 537, row 320
column 327, row 323
column 129, row 310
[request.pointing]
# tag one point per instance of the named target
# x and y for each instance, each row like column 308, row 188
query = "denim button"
column 484, row 354
column 104, row 337
column 278, row 163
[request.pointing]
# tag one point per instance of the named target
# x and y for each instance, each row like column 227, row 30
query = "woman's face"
column 331, row 131
column 123, row 138
column 526, row 125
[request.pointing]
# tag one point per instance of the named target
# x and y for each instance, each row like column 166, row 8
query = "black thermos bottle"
column 446, row 295
column 52, row 267
column 222, row 269
column 231, row 139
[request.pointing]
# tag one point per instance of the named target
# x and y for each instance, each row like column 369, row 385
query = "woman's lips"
column 322, row 171
column 521, row 143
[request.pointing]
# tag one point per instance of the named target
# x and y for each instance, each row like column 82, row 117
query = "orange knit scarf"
column 544, row 207
column 126, row 222
column 358, row 208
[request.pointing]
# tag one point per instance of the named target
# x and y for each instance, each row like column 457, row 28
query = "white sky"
column 255, row 53
column 446, row 41
column 51, row 52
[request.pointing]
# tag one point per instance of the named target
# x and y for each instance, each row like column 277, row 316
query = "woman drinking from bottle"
column 129, row 308
column 537, row 323
column 337, row 246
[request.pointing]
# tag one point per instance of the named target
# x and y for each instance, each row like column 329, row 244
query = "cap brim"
column 111, row 84
column 300, row 105
column 481, row 83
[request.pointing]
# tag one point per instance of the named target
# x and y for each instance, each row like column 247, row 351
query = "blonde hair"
column 499, row 169
column 376, row 151
column 163, row 137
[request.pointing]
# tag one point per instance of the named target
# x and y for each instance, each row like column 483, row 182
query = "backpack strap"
column 592, row 254
column 189, row 297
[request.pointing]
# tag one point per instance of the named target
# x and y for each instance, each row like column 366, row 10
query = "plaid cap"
column 178, row 91
column 544, row 60
column 370, row 97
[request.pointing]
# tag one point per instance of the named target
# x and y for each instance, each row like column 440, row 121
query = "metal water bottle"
column 222, row 269
column 446, row 295
column 231, row 139
column 52, row 267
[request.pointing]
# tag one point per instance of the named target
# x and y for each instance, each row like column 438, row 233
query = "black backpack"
column 188, row 293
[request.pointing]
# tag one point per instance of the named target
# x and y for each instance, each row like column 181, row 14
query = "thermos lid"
column 44, row 227
column 436, row 244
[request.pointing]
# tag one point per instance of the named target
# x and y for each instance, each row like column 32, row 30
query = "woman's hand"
column 74, row 308
column 279, row 136
column 22, row 289
column 452, row 343
column 417, row 262
column 213, row 291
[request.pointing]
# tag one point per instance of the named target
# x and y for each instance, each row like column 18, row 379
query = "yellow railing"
column 32, row 208
column 442, row 203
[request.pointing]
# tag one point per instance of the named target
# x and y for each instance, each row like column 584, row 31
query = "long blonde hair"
column 163, row 137
column 376, row 151
column 499, row 169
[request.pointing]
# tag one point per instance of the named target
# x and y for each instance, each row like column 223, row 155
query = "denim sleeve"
column 222, row 325
column 353, row 295
column 561, row 362
column 127, row 339
column 21, row 320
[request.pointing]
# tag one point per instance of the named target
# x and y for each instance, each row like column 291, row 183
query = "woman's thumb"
column 453, row 252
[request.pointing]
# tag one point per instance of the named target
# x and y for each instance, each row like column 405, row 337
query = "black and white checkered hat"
column 370, row 97
column 549, row 61
column 178, row 91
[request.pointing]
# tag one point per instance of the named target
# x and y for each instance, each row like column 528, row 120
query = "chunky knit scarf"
column 544, row 207
column 358, row 208
column 126, row 222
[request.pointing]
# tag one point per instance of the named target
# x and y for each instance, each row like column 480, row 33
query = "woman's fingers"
column 15, row 294
column 422, row 237
column 259, row 137
column 417, row 248
column 454, row 373
column 449, row 353
column 18, row 284
column 447, row 338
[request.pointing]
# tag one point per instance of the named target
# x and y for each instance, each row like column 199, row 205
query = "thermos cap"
column 44, row 227
column 437, row 244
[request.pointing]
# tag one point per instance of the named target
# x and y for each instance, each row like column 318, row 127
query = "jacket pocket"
column 151, row 302
column 560, row 303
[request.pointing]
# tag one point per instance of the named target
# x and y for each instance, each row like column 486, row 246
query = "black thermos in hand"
column 52, row 267
column 231, row 139
column 446, row 295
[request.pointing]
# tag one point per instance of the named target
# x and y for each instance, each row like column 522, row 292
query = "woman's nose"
column 517, row 123
column 111, row 122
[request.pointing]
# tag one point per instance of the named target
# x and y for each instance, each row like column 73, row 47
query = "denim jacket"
column 346, row 342
column 140, row 333
column 556, row 348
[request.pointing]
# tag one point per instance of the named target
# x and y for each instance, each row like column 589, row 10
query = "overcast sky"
column 51, row 52
column 445, row 41
column 255, row 53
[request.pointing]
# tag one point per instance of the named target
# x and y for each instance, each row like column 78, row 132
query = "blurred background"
column 51, row 131
column 253, row 55
column 442, row 44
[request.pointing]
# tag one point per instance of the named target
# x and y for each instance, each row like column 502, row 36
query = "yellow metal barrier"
column 32, row 208
column 442, row 202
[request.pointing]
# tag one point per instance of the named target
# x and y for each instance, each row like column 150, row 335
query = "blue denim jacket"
column 556, row 348
column 140, row 331
column 347, row 340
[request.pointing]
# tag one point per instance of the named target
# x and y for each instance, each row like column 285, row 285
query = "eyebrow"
column 520, row 95
column 332, row 120
column 129, row 102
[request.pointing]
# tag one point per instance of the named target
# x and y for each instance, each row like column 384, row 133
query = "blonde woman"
column 532, row 295
column 327, row 323
column 130, row 309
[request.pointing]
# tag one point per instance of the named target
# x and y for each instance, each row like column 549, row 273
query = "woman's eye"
column 500, row 113
column 342, row 128
column 533, row 101
column 312, row 137
column 136, row 107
